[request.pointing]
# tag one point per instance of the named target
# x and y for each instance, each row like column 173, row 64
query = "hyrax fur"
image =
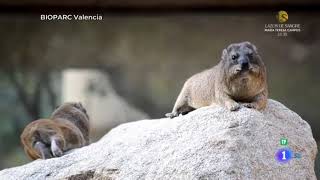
column 239, row 79
column 67, row 128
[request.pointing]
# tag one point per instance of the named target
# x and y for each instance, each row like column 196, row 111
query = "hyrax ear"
column 80, row 106
column 77, row 105
column 57, row 107
column 252, row 46
column 224, row 54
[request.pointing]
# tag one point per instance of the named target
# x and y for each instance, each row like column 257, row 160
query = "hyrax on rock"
column 239, row 79
column 66, row 129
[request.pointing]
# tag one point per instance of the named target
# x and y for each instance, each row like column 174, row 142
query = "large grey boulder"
column 209, row 143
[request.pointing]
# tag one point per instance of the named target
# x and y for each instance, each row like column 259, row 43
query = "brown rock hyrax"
column 66, row 129
column 239, row 79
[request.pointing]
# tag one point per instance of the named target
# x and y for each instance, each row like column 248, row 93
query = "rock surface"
column 209, row 143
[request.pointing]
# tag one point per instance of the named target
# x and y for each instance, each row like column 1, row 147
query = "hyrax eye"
column 234, row 57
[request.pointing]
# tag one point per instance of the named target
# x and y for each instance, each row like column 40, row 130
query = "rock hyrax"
column 67, row 128
column 239, row 79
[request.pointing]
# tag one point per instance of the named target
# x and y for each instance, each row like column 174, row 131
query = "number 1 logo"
column 283, row 155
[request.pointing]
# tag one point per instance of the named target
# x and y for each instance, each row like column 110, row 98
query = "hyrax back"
column 238, row 79
column 76, row 114
column 68, row 128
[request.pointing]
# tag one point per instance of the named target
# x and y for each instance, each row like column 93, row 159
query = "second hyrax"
column 66, row 129
column 239, row 79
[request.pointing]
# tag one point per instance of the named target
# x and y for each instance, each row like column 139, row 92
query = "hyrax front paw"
column 250, row 105
column 56, row 152
column 233, row 106
column 56, row 148
column 172, row 115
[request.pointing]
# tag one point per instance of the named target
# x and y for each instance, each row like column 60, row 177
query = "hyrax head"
column 239, row 58
column 69, row 109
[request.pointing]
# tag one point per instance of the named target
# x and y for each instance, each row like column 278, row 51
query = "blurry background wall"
column 145, row 61
column 105, row 108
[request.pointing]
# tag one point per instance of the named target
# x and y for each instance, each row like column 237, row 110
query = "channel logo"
column 285, row 154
